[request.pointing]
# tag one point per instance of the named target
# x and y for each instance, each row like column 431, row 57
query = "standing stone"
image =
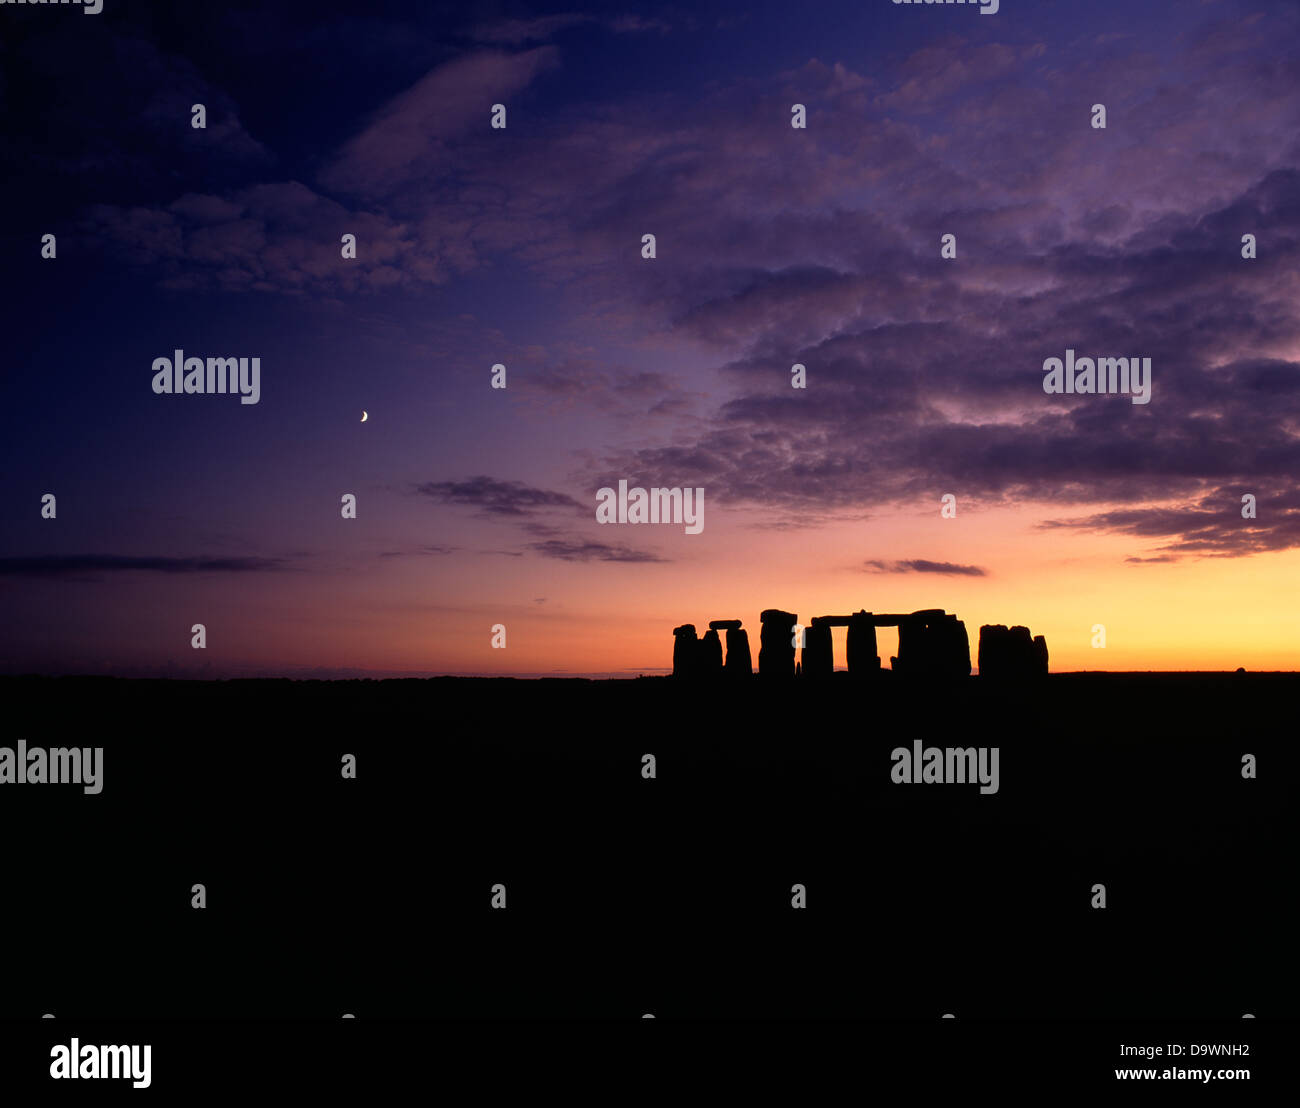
column 959, row 646
column 776, row 643
column 1022, row 653
column 910, row 647
column 862, row 653
column 710, row 655
column 1040, row 655
column 949, row 648
column 932, row 644
column 818, row 655
column 739, row 662
column 1008, row 653
column 992, row 649
column 685, row 649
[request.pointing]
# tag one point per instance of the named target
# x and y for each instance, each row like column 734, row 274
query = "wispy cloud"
column 74, row 565
column 406, row 137
column 420, row 551
column 1209, row 526
column 588, row 551
column 516, row 32
column 497, row 498
column 921, row 565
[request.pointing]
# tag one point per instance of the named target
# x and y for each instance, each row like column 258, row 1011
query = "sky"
column 523, row 246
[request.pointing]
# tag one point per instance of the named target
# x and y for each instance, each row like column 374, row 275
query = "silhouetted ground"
column 670, row 895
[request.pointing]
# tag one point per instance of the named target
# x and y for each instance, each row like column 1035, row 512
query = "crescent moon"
column 364, row 415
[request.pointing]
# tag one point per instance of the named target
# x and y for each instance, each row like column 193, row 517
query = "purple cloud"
column 586, row 551
column 79, row 565
column 921, row 565
column 498, row 498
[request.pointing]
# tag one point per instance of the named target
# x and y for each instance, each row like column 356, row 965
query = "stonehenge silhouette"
column 932, row 644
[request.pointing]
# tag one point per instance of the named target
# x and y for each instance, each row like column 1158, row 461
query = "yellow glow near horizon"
column 1193, row 614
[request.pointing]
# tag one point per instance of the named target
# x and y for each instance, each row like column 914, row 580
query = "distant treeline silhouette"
column 931, row 644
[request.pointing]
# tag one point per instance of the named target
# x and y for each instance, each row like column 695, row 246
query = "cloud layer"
column 779, row 246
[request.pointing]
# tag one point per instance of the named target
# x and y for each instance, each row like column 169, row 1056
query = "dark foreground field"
column 672, row 895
